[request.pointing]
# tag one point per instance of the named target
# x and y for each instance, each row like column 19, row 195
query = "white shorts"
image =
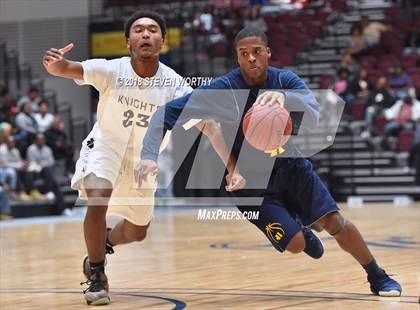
column 135, row 205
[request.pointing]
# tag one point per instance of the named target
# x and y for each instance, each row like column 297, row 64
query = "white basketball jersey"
column 127, row 101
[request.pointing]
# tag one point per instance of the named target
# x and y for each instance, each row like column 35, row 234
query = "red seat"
column 393, row 12
column 379, row 123
column 408, row 61
column 326, row 80
column 358, row 110
column 220, row 49
column 413, row 70
column 323, row 15
column 339, row 5
column 219, row 4
column 285, row 59
column 405, row 140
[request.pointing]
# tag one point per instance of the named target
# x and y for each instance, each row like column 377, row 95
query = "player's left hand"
column 270, row 98
column 235, row 181
column 143, row 169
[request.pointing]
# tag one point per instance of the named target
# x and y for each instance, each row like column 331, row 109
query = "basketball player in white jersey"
column 130, row 89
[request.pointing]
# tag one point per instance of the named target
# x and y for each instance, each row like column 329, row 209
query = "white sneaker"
column 67, row 212
column 365, row 134
column 50, row 196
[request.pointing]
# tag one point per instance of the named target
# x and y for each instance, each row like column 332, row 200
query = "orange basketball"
column 266, row 127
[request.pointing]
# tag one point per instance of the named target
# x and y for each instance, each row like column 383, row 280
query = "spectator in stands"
column 360, row 86
column 25, row 128
column 8, row 177
column 41, row 160
column 56, row 139
column 258, row 2
column 378, row 100
column 351, row 65
column 372, row 31
column 5, row 206
column 43, row 118
column 412, row 41
column 399, row 81
column 341, row 85
column 414, row 157
column 7, row 105
column 5, row 131
column 357, row 41
column 12, row 160
column 25, row 121
column 402, row 116
column 254, row 18
column 204, row 22
column 33, row 98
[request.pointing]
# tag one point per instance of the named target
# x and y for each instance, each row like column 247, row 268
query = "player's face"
column 145, row 40
column 253, row 55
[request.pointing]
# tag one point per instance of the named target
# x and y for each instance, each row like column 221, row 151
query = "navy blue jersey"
column 229, row 109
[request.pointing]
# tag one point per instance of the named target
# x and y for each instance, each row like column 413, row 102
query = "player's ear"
column 268, row 52
column 127, row 42
column 162, row 43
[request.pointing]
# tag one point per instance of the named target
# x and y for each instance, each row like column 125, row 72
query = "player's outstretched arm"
column 55, row 63
column 213, row 131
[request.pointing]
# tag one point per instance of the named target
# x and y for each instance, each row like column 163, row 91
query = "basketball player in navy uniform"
column 104, row 171
column 295, row 194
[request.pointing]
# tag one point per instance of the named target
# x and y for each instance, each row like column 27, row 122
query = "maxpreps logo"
column 314, row 129
column 275, row 232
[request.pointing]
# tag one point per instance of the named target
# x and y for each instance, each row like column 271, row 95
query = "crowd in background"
column 32, row 140
column 377, row 87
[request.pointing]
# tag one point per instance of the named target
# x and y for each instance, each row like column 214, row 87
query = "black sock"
column 97, row 267
column 108, row 231
column 372, row 268
column 109, row 242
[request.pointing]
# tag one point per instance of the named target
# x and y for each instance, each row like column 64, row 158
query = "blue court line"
column 255, row 290
column 179, row 305
column 222, row 293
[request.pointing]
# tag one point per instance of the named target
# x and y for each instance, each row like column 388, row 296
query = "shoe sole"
column 100, row 302
column 392, row 293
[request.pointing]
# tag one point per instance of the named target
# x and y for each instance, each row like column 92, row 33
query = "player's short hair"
column 250, row 32
column 149, row 14
column 43, row 101
column 33, row 89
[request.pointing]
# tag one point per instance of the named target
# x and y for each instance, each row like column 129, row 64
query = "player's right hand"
column 143, row 169
column 53, row 55
column 235, row 181
column 270, row 98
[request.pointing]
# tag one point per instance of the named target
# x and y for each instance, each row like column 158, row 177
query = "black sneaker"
column 382, row 284
column 313, row 247
column 98, row 291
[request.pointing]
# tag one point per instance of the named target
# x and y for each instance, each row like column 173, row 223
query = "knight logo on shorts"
column 275, row 232
column 90, row 143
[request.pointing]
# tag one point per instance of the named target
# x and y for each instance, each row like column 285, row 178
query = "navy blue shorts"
column 294, row 193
